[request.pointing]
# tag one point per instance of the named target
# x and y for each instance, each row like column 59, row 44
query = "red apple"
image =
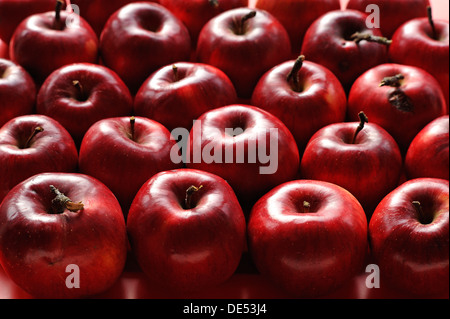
column 341, row 41
column 364, row 159
column 80, row 94
column 400, row 98
column 196, row 13
column 301, row 92
column 4, row 50
column 297, row 15
column 17, row 91
column 187, row 230
column 424, row 42
column 247, row 146
column 140, row 38
column 123, row 153
column 33, row 144
column 46, row 41
column 428, row 154
column 391, row 14
column 308, row 237
column 178, row 94
column 57, row 226
column 410, row 239
column 244, row 43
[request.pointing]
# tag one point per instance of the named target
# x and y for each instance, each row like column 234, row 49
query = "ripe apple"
column 397, row 97
column 80, row 94
column 178, row 94
column 341, row 41
column 424, row 42
column 428, row 154
column 187, row 230
column 4, row 50
column 308, row 237
column 364, row 159
column 140, row 38
column 301, row 92
column 123, row 153
column 196, row 13
column 54, row 225
column 247, row 146
column 33, row 144
column 391, row 13
column 409, row 237
column 17, row 91
column 244, row 43
column 297, row 15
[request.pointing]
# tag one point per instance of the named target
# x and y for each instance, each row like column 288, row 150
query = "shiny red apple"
column 308, row 237
column 187, row 230
column 62, row 236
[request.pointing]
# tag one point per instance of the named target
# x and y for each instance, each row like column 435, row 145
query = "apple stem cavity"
column 61, row 202
column 430, row 20
column 241, row 25
column 362, row 121
column 58, row 25
column 189, row 192
column 423, row 218
column 81, row 94
column 37, row 129
column 358, row 37
column 293, row 74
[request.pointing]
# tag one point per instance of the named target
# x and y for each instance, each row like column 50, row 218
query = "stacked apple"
column 186, row 134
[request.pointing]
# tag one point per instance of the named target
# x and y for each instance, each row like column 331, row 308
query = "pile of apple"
column 100, row 155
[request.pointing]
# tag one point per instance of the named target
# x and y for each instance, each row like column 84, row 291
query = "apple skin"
column 412, row 252
column 17, row 91
column 4, row 50
column 393, row 13
column 243, row 174
column 328, row 42
column 124, row 163
column 413, row 44
column 196, row 13
column 140, row 38
column 182, row 249
column 424, row 93
column 37, row 245
column 263, row 44
column 321, row 100
column 287, row 12
column 177, row 99
column 369, row 169
column 101, row 94
column 308, row 254
column 52, row 150
column 428, row 154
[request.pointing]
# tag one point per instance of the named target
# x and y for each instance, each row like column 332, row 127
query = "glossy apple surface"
column 187, row 241
column 4, row 50
column 308, row 237
column 409, row 237
column 39, row 239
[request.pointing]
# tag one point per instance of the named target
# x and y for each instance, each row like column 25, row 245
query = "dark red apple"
column 409, row 237
column 187, row 230
column 17, row 91
column 304, row 95
column 33, row 144
column 178, row 94
column 400, row 98
column 341, row 41
column 80, row 94
column 62, row 236
column 308, row 237
column 123, row 153
column 244, row 43
column 4, row 50
column 428, row 154
column 140, row 38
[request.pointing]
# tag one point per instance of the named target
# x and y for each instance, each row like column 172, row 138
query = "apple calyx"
column 423, row 218
column 397, row 97
column 430, row 20
column 37, row 129
column 61, row 202
column 57, row 24
column 358, row 37
column 363, row 119
column 241, row 25
column 214, row 3
column 393, row 81
column 189, row 192
column 293, row 74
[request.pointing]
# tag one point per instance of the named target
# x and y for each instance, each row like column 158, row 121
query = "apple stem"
column 430, row 20
column 293, row 74
column 358, row 37
column 306, row 207
column 241, row 25
column 62, row 202
column 422, row 216
column 175, row 73
column 362, row 121
column 81, row 94
column 393, row 81
column 36, row 130
column 214, row 3
column 189, row 192
column 57, row 24
column 132, row 129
